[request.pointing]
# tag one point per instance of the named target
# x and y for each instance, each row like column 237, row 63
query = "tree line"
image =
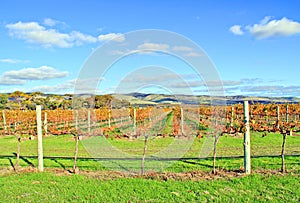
column 19, row 100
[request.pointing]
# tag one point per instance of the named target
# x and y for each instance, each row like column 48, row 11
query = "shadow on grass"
column 59, row 163
column 25, row 160
column 196, row 163
column 12, row 164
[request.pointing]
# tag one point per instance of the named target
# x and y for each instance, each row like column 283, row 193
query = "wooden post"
column 76, row 153
column 232, row 114
column 4, row 121
column 45, row 123
column 287, row 113
column 89, row 120
column 282, row 152
column 40, row 137
column 134, row 121
column 181, row 121
column 144, row 155
column 278, row 116
column 76, row 120
column 109, row 117
column 150, row 120
column 247, row 158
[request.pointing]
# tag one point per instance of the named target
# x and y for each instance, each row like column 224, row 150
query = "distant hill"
column 156, row 99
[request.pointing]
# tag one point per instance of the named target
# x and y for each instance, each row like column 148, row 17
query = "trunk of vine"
column 18, row 153
column 215, row 153
column 144, row 156
column 76, row 153
column 282, row 152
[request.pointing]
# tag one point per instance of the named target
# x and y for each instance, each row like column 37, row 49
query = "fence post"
column 287, row 113
column 278, row 116
column 232, row 114
column 247, row 158
column 89, row 120
column 109, row 117
column 40, row 137
column 181, row 121
column 76, row 120
column 150, row 119
column 4, row 121
column 134, row 120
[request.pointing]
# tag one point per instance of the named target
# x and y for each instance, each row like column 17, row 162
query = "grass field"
column 60, row 150
column 186, row 180
column 48, row 187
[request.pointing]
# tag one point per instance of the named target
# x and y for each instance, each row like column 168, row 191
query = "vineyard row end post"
column 247, row 156
column 40, row 137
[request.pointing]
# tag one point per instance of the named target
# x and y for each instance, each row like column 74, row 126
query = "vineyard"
column 191, row 120
column 184, row 122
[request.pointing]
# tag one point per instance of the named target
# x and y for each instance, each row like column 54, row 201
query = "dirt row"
column 165, row 176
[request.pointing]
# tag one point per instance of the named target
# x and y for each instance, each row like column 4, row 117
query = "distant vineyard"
column 185, row 120
column 281, row 118
column 96, row 121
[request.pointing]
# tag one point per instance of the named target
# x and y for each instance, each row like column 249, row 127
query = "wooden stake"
column 287, row 113
column 282, row 153
column 232, row 114
column 76, row 153
column 89, row 120
column 247, row 158
column 278, row 116
column 4, row 121
column 181, row 121
column 76, row 120
column 144, row 155
column 40, row 137
column 109, row 117
column 134, row 121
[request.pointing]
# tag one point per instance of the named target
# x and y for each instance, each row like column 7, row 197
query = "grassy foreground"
column 63, row 146
column 48, row 187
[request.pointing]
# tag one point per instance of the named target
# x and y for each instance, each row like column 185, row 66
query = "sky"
column 191, row 47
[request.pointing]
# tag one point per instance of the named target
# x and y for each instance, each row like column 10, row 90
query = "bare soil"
column 111, row 175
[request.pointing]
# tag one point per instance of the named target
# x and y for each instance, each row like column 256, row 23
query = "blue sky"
column 254, row 45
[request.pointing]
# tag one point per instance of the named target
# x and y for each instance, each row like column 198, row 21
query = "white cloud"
column 41, row 73
column 80, row 38
column 265, row 20
column 117, row 52
column 267, row 28
column 19, row 77
column 118, row 37
column 182, row 48
column 150, row 48
column 145, row 48
column 57, row 88
column 33, row 32
column 50, row 22
column 236, row 29
column 11, row 81
column 154, row 46
column 193, row 54
column 8, row 60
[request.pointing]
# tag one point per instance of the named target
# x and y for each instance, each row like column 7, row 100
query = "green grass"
column 47, row 187
column 233, row 164
column 168, row 128
column 63, row 146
